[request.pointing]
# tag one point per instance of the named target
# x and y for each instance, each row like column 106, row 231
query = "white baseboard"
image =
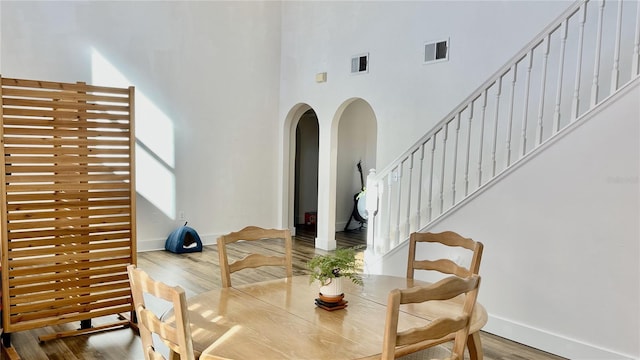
column 549, row 342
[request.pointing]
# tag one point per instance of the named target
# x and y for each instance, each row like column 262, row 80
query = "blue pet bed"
column 183, row 240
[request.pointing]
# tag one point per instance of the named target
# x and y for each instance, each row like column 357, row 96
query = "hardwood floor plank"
column 199, row 272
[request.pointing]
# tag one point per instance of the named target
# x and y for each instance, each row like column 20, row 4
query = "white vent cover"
column 360, row 63
column 436, row 51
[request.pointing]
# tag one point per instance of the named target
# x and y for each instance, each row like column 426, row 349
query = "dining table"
column 279, row 319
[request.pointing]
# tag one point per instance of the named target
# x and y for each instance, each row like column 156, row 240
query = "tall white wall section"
column 561, row 264
column 208, row 72
column 407, row 96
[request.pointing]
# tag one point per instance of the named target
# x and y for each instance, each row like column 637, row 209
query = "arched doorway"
column 305, row 204
column 355, row 119
column 357, row 143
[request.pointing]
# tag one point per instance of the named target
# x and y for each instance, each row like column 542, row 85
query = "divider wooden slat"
column 46, row 140
column 31, row 93
column 44, row 122
column 68, row 105
column 15, row 237
column 23, row 276
column 68, row 202
column 57, row 87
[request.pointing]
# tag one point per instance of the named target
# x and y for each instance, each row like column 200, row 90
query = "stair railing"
column 523, row 105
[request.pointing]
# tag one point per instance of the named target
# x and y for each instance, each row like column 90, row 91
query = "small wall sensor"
column 321, row 77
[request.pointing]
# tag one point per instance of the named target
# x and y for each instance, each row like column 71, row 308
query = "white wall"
column 227, row 73
column 211, row 67
column 407, row 97
column 561, row 264
column 190, row 59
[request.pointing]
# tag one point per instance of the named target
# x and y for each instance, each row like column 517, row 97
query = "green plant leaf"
column 339, row 263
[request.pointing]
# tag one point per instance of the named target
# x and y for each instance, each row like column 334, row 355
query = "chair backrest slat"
column 437, row 329
column 176, row 334
column 441, row 329
column 254, row 233
column 445, row 266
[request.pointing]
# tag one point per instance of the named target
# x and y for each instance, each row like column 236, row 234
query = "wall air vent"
column 360, row 64
column 436, row 51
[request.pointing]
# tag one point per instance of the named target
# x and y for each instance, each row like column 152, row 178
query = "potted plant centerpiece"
column 329, row 270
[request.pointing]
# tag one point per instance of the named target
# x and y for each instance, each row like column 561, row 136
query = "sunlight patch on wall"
column 155, row 159
column 155, row 182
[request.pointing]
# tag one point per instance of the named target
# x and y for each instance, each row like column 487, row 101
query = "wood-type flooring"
column 199, row 272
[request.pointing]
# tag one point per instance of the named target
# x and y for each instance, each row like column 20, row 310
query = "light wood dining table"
column 278, row 319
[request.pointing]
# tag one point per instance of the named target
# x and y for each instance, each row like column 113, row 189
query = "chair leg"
column 474, row 344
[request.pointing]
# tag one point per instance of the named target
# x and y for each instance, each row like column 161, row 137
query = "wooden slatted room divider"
column 68, row 204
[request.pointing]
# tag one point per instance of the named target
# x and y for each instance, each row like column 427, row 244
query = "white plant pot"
column 333, row 288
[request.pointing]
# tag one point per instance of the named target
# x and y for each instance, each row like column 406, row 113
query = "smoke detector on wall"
column 436, row 51
column 360, row 63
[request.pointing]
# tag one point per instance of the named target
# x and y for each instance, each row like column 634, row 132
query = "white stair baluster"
column 433, row 153
column 576, row 91
column 409, row 189
column 615, row 73
column 596, row 63
column 543, row 85
column 444, row 155
column 455, row 161
column 466, row 166
column 636, row 45
column 495, row 127
column 419, row 204
column 399, row 200
column 482, row 118
column 563, row 46
column 512, row 96
column 525, row 106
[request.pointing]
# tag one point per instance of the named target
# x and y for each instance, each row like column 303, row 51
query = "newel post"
column 372, row 201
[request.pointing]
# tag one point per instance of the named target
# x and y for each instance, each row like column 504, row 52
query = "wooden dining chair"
column 445, row 266
column 254, row 260
column 177, row 335
column 445, row 328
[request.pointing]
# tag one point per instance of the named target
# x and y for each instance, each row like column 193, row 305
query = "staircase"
column 575, row 64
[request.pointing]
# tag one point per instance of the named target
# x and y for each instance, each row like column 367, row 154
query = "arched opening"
column 317, row 164
column 305, row 203
column 357, row 142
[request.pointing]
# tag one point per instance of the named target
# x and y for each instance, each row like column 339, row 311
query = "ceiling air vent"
column 436, row 51
column 360, row 64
